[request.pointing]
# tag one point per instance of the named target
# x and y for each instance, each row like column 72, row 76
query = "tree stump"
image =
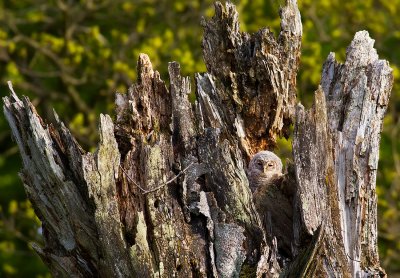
column 166, row 194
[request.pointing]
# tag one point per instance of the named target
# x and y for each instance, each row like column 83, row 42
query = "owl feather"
column 273, row 205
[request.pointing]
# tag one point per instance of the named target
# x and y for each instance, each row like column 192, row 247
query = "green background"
column 74, row 55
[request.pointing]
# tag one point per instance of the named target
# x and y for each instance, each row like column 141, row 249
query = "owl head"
column 264, row 167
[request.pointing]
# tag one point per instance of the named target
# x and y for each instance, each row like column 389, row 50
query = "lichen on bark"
column 166, row 192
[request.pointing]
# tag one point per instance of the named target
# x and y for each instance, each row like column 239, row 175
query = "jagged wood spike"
column 166, row 192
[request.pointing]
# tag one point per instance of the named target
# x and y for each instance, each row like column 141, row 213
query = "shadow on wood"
column 166, row 192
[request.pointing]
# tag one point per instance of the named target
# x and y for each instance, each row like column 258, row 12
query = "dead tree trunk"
column 166, row 192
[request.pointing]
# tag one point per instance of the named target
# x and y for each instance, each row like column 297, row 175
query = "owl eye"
column 259, row 163
column 270, row 164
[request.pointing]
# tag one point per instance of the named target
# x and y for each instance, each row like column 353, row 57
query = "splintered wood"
column 166, row 193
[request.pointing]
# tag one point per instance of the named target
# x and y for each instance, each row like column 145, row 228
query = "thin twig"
column 129, row 178
column 157, row 187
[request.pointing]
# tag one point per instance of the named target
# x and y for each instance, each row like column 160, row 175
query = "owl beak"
column 265, row 167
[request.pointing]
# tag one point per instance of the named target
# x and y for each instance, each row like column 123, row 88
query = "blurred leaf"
column 75, row 58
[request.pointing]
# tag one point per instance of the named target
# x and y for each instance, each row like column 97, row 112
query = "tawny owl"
column 272, row 203
column 264, row 168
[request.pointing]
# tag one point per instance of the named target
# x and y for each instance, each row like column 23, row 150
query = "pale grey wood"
column 166, row 194
column 336, row 151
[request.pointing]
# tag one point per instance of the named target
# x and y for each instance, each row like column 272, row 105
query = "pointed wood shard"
column 166, row 193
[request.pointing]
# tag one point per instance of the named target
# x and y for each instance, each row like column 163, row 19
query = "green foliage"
column 73, row 56
column 18, row 227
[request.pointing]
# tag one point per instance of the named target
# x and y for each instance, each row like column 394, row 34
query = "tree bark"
column 166, row 194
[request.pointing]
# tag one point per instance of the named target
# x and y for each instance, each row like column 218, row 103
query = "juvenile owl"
column 263, row 169
column 271, row 200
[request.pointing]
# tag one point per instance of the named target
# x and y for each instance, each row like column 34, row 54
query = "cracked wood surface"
column 97, row 221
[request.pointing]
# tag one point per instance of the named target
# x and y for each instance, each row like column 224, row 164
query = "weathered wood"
column 336, row 151
column 166, row 192
column 255, row 75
